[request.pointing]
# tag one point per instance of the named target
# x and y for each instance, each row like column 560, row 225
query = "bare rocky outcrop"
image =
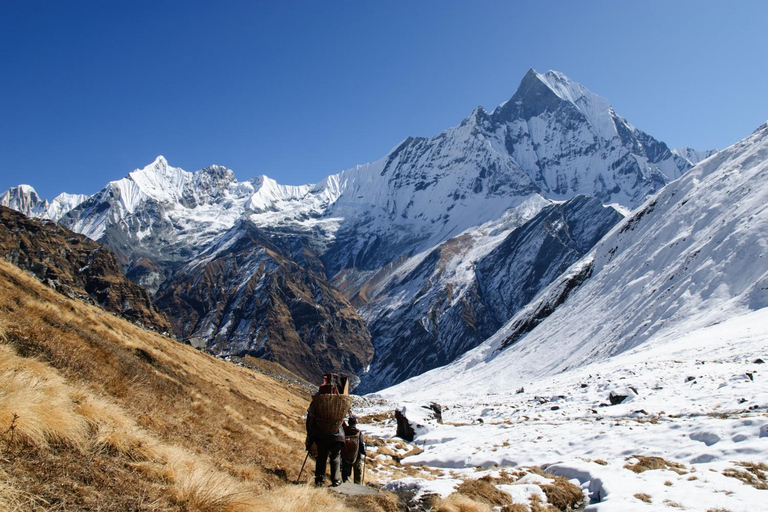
column 76, row 266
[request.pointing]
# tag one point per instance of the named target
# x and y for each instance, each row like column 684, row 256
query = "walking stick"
column 363, row 479
column 302, row 467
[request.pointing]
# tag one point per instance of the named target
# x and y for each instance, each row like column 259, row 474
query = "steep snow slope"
column 692, row 155
column 698, row 404
column 444, row 302
column 693, row 256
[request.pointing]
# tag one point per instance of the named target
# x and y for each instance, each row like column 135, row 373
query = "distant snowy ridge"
column 692, row 256
column 692, row 155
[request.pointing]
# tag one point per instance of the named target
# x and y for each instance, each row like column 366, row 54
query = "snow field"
column 699, row 401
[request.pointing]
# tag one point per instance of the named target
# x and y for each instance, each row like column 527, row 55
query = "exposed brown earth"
column 99, row 414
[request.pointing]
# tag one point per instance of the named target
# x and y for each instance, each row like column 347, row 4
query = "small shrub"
column 460, row 503
column 484, row 491
column 646, row 498
column 755, row 475
column 562, row 494
column 648, row 463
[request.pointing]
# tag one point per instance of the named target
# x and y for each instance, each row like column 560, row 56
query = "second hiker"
column 353, row 452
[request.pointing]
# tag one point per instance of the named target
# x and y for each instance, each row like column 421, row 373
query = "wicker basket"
column 330, row 411
column 349, row 450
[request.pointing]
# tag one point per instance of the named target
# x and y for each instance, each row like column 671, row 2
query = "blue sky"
column 300, row 90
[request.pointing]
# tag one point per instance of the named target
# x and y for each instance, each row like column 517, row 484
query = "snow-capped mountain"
column 445, row 302
column 25, row 199
column 693, row 256
column 381, row 230
column 638, row 374
column 693, row 156
column 553, row 138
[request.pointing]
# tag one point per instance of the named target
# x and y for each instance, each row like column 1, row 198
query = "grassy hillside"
column 98, row 414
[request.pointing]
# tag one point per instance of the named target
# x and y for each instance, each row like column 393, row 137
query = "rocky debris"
column 75, row 266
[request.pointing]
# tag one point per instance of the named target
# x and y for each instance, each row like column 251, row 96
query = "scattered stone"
column 521, row 390
column 583, row 385
column 404, row 428
column 758, row 361
column 742, row 400
column 751, row 376
column 616, row 399
column 555, row 408
column 438, row 410
column 690, row 378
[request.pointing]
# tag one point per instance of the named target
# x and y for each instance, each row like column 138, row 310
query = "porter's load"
column 332, row 403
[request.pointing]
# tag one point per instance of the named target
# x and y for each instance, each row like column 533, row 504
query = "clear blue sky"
column 300, row 90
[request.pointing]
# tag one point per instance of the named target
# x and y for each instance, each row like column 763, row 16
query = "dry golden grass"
column 35, row 405
column 515, row 507
column 302, row 498
column 459, row 503
column 539, row 506
column 485, row 492
column 562, row 494
column 646, row 498
column 382, row 502
column 98, row 414
column 756, row 474
column 648, row 463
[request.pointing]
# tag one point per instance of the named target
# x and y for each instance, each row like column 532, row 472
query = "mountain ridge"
column 552, row 141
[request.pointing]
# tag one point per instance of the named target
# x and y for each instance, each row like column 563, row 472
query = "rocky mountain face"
column 459, row 303
column 76, row 266
column 404, row 238
column 243, row 297
column 692, row 257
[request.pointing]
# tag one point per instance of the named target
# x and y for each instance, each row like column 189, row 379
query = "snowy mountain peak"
column 539, row 93
column 24, row 199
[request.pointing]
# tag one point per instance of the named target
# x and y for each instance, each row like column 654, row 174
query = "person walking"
column 329, row 447
column 353, row 452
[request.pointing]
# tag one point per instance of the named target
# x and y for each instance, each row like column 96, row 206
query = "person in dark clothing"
column 328, row 447
column 353, row 453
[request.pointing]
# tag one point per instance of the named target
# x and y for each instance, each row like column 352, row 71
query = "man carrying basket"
column 324, row 429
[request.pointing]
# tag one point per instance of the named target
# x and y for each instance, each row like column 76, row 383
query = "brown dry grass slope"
column 98, row 414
